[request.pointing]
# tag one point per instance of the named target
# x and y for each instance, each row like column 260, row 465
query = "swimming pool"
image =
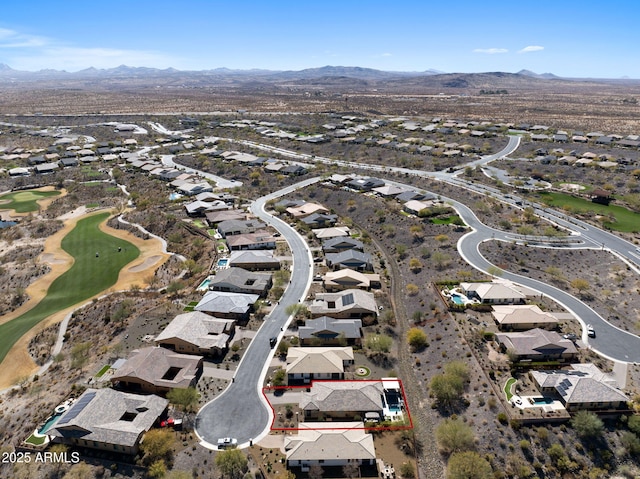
column 49, row 424
column 204, row 285
column 223, row 261
column 542, row 400
column 456, row 298
column 175, row 196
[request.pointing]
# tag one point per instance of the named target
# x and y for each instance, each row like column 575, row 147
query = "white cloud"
column 13, row 39
column 490, row 51
column 32, row 53
column 386, row 54
column 73, row 59
column 531, row 48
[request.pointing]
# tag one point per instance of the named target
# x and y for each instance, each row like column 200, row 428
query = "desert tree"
column 453, row 435
column 587, row 425
column 157, row 444
column 417, row 339
column 581, row 285
column 231, row 463
column 468, row 465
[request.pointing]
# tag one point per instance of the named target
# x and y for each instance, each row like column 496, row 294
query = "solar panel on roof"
column 78, row 407
column 347, row 299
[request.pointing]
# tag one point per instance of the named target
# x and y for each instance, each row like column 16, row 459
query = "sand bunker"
column 51, row 258
column 571, row 187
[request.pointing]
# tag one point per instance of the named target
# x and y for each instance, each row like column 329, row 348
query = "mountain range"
column 330, row 76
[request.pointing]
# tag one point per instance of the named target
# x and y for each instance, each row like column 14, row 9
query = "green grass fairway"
column 87, row 277
column 24, row 201
column 626, row 221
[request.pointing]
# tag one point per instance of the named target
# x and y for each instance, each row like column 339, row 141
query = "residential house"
column 351, row 259
column 328, row 331
column 36, row 160
column 199, row 208
column 238, row 280
column 44, row 168
column 347, row 279
column 493, row 293
column 215, row 217
column 389, row 190
column 294, row 170
column 414, row 207
column 365, row 183
column 258, row 240
column 157, row 370
column 584, row 386
column 336, row 245
column 108, row 420
column 274, row 167
column 522, row 317
column 287, row 203
column 604, row 140
column 410, row 195
column 239, row 227
column 537, row 345
column 350, row 303
column 343, row 400
column 192, row 189
column 254, row 260
column 345, row 443
column 306, row 209
column 18, row 172
column 309, row 364
column 68, row 162
column 333, row 232
column 197, row 333
column 320, row 220
column 227, row 305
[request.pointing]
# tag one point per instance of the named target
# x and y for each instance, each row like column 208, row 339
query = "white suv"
column 225, row 442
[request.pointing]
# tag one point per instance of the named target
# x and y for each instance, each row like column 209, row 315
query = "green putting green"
column 24, row 201
column 98, row 259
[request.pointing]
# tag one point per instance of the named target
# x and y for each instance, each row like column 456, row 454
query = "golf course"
column 97, row 260
column 25, row 201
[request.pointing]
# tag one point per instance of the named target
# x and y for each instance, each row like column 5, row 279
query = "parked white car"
column 226, row 442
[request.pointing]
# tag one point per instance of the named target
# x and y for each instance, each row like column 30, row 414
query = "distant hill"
column 529, row 73
column 332, row 77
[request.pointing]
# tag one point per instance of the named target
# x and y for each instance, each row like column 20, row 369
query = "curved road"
column 241, row 411
column 610, row 341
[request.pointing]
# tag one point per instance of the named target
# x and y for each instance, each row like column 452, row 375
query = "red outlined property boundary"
column 325, row 425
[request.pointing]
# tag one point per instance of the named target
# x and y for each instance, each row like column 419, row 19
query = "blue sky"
column 569, row 38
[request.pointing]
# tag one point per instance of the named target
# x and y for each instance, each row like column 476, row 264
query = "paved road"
column 610, row 341
column 241, row 411
column 221, row 183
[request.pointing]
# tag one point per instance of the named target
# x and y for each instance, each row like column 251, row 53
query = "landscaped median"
column 97, row 260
